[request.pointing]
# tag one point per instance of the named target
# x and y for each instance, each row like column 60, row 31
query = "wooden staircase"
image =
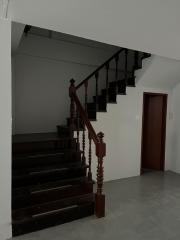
column 49, row 184
column 51, row 174
column 116, row 87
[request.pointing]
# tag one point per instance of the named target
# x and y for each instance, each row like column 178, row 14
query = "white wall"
column 159, row 72
column 43, row 68
column 175, row 165
column 122, row 124
column 5, row 129
column 16, row 34
column 150, row 26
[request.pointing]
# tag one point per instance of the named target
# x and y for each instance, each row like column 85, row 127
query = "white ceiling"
column 146, row 25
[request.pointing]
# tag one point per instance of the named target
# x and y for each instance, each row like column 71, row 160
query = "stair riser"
column 42, row 177
column 63, row 131
column 18, row 214
column 53, row 219
column 43, row 146
column 46, row 160
column 92, row 114
column 31, row 199
column 122, row 88
column 102, row 106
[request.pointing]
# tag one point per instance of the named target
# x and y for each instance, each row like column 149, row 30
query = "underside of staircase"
column 51, row 177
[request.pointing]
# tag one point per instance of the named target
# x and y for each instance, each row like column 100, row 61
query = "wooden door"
column 153, row 132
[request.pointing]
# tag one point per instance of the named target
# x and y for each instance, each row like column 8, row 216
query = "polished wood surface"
column 154, row 122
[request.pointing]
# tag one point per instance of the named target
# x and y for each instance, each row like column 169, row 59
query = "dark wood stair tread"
column 48, row 185
column 47, row 176
column 35, row 137
column 31, row 197
column 53, row 218
column 29, row 211
column 33, row 145
column 44, row 168
column 39, row 159
column 44, row 153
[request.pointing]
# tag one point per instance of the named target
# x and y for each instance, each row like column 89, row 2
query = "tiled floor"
column 138, row 208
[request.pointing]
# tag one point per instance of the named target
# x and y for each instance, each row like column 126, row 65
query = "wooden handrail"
column 78, row 111
column 99, row 144
column 99, row 68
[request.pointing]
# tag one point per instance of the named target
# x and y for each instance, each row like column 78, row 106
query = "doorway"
column 153, row 132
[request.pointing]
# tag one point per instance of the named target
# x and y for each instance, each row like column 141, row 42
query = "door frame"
column 163, row 140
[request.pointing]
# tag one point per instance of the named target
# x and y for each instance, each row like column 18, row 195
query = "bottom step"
column 52, row 218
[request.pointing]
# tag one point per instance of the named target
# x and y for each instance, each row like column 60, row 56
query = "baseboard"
column 5, row 231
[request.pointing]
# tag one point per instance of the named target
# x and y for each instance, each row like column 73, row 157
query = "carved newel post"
column 72, row 90
column 99, row 196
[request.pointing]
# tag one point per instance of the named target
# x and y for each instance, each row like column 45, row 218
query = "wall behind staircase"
column 43, row 68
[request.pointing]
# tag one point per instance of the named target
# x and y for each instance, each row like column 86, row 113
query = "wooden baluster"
column 90, row 158
column 99, row 196
column 116, row 77
column 86, row 95
column 77, row 124
column 136, row 59
column 83, row 145
column 83, row 133
column 107, row 81
column 97, row 91
column 72, row 90
column 126, row 66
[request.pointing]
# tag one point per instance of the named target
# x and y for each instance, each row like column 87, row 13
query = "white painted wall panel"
column 5, row 129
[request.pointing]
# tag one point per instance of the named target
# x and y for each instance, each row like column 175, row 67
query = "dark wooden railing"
column 76, row 107
column 79, row 117
column 115, row 56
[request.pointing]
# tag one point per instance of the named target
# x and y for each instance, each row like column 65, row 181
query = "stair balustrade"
column 82, row 113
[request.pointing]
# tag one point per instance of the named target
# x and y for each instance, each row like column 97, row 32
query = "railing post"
column 136, row 57
column 97, row 90
column 126, row 66
column 83, row 145
column 72, row 90
column 77, row 128
column 99, row 196
column 116, row 78
column 86, row 95
column 90, row 158
column 107, row 82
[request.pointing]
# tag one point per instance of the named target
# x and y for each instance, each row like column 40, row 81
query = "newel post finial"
column 72, row 81
column 72, row 87
column 100, row 136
